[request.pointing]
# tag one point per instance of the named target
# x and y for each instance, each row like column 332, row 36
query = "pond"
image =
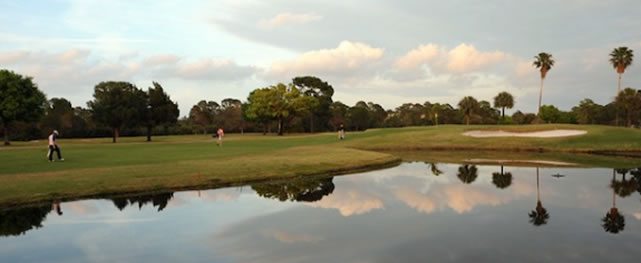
column 414, row 212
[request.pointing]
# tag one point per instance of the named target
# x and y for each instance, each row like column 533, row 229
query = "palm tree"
column 468, row 105
column 544, row 62
column 502, row 180
column 621, row 58
column 613, row 221
column 539, row 216
column 467, row 173
column 503, row 100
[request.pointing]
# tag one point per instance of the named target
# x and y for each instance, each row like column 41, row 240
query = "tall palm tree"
column 467, row 173
column 621, row 58
column 613, row 221
column 502, row 180
column 504, row 100
column 544, row 62
column 539, row 216
column 468, row 105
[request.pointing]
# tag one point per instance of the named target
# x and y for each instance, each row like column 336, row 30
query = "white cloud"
column 466, row 58
column 164, row 59
column 347, row 58
column 418, row 56
column 285, row 19
column 348, row 203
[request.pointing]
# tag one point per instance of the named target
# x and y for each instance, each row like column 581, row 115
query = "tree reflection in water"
column 434, row 169
column 467, row 173
column 157, row 200
column 539, row 216
column 502, row 180
column 18, row 221
column 626, row 186
column 299, row 190
column 613, row 221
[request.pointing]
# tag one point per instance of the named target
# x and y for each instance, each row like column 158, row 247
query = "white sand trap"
column 538, row 134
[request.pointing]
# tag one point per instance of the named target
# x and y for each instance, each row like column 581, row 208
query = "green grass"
column 98, row 167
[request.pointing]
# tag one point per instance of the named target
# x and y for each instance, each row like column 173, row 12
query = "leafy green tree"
column 339, row 115
column 587, row 111
column 410, row 114
column 467, row 173
column 377, row 115
column 231, row 115
column 468, row 106
column 203, row 114
column 358, row 116
column 549, row 114
column 504, row 100
column 487, row 114
column 161, row 110
column 621, row 58
column 502, row 179
column 258, row 107
column 322, row 92
column 20, row 100
column 59, row 115
column 544, row 62
column 281, row 103
column 118, row 104
column 629, row 102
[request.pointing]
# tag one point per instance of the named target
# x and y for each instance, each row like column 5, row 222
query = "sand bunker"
column 538, row 134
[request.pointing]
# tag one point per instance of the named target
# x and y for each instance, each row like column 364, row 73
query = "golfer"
column 53, row 146
column 341, row 132
column 220, row 134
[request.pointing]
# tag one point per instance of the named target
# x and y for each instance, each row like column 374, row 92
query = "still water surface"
column 415, row 212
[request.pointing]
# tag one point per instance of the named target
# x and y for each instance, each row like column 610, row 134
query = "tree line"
column 303, row 105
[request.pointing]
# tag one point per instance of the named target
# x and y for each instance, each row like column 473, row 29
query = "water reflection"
column 434, row 169
column 613, row 221
column 539, row 216
column 502, row 179
column 18, row 221
column 299, row 190
column 159, row 200
column 467, row 173
column 458, row 212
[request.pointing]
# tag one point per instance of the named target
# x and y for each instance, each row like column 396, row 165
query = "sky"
column 384, row 51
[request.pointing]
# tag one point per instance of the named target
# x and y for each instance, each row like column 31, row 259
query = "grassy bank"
column 599, row 139
column 98, row 167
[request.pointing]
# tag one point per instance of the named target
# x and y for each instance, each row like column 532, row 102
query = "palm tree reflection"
column 539, row 216
column 467, row 173
column 613, row 221
column 502, row 180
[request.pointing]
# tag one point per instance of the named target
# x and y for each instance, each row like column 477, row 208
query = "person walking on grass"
column 53, row 146
column 341, row 132
column 220, row 134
